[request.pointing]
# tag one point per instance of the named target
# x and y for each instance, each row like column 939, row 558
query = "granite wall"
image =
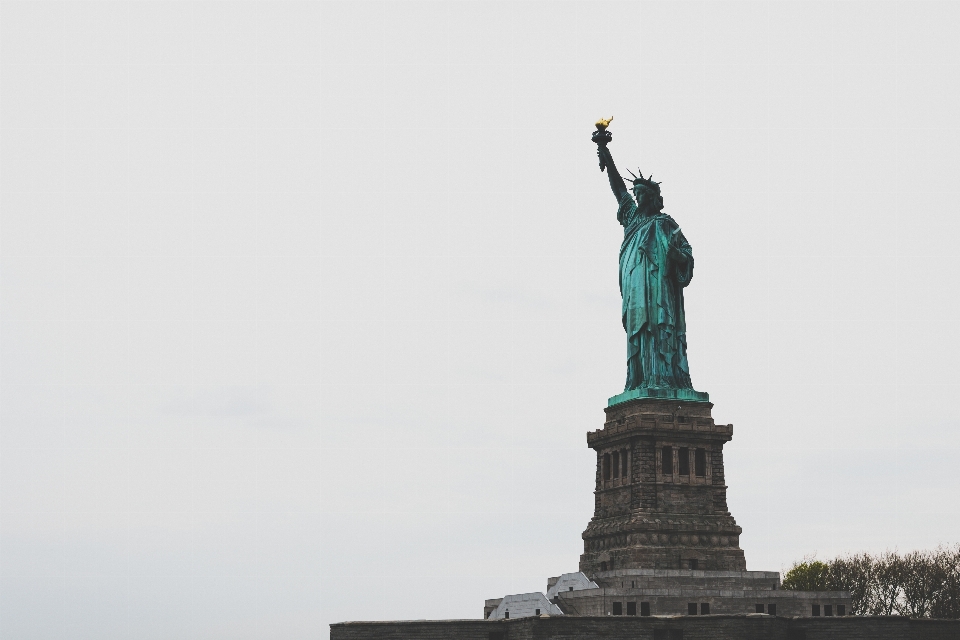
column 717, row 627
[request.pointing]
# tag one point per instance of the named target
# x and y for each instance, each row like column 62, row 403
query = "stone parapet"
column 649, row 417
column 674, row 578
column 710, row 627
column 668, row 598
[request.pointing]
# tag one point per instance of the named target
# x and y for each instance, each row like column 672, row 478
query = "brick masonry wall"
column 688, row 628
column 645, row 474
column 654, row 519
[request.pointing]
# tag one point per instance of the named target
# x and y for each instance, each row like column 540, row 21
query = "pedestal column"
column 670, row 510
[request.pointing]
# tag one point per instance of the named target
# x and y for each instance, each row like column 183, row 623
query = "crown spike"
column 631, row 173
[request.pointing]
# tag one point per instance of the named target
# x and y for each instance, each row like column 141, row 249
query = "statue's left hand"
column 674, row 248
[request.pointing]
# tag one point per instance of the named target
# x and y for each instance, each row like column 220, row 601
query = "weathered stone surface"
column 657, row 518
column 672, row 591
column 712, row 627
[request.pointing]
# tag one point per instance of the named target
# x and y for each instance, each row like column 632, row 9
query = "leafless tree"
column 919, row 584
column 855, row 574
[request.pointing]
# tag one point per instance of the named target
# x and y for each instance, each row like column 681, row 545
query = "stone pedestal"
column 661, row 498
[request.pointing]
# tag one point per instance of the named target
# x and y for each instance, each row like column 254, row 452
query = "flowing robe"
column 656, row 263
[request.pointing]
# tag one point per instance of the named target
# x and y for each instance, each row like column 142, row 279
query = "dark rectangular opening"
column 631, row 608
column 694, row 563
column 692, row 608
column 506, row 615
column 816, row 610
column 704, row 608
column 616, row 464
column 828, row 609
column 537, row 612
column 841, row 610
column 683, row 455
column 570, row 589
column 606, row 466
column 700, row 462
column 759, row 608
column 772, row 609
column 618, row 608
column 623, row 463
column 644, row 608
column 666, row 460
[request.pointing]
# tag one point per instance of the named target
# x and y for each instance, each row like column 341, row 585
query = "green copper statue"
column 656, row 263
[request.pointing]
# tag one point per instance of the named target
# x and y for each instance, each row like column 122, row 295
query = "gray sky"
column 306, row 308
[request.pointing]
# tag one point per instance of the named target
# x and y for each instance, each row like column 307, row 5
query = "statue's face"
column 640, row 196
column 645, row 197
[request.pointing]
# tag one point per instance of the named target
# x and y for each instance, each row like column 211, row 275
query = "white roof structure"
column 524, row 605
column 571, row 582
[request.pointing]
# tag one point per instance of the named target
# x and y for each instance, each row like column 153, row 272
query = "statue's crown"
column 645, row 182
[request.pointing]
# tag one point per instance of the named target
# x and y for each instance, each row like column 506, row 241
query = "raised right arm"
column 606, row 162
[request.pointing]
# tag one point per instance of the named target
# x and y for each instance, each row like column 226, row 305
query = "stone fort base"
column 715, row 627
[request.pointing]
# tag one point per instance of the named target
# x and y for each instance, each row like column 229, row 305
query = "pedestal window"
column 683, row 453
column 700, row 462
column 666, row 461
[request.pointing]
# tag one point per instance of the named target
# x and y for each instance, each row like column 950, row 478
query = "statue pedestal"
column 664, row 394
column 661, row 498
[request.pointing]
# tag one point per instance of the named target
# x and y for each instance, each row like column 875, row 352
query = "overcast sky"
column 307, row 307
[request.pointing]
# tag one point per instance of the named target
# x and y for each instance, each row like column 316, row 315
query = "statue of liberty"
column 656, row 263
